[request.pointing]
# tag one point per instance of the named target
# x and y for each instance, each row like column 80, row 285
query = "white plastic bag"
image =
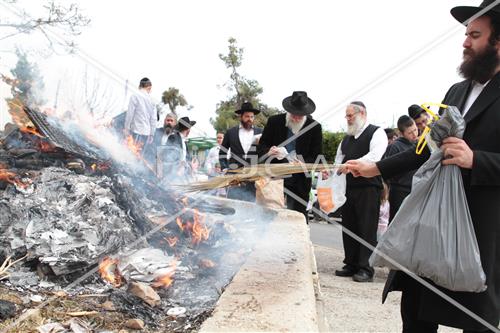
column 331, row 192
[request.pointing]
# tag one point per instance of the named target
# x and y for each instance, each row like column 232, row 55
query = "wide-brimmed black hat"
column 184, row 123
column 414, row 111
column 299, row 104
column 464, row 13
column 247, row 107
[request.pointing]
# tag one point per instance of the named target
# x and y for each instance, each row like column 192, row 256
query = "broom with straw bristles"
column 256, row 172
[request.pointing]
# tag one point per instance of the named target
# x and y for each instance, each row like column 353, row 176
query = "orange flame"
column 31, row 130
column 108, row 268
column 12, row 178
column 45, row 146
column 165, row 280
column 179, row 223
column 200, row 232
column 135, row 147
column 172, row 241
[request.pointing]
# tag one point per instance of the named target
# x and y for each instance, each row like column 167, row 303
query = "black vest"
column 355, row 148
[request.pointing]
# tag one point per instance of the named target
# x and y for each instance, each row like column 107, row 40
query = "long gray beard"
column 293, row 126
column 356, row 127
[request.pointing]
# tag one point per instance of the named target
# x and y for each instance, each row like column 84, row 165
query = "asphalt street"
column 326, row 234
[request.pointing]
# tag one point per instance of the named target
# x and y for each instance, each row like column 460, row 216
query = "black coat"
column 404, row 179
column 309, row 145
column 232, row 141
column 482, row 187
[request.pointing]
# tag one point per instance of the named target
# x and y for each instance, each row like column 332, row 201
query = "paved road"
column 328, row 235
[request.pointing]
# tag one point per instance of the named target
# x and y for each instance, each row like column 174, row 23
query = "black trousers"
column 396, row 196
column 360, row 215
column 299, row 186
column 410, row 305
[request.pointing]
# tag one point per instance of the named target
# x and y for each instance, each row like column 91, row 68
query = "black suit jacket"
column 309, row 145
column 238, row 158
column 482, row 187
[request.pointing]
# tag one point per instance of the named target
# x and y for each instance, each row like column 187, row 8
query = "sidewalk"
column 357, row 307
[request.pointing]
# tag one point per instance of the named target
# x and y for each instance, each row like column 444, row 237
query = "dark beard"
column 247, row 125
column 167, row 129
column 480, row 67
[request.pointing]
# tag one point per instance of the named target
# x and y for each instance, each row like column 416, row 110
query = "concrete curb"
column 274, row 289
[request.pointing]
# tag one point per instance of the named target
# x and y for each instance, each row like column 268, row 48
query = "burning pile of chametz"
column 100, row 246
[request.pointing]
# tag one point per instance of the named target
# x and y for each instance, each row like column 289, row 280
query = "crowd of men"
column 369, row 156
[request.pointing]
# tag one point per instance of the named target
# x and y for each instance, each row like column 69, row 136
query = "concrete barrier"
column 275, row 289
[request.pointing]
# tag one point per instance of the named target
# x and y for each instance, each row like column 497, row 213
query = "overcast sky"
column 388, row 54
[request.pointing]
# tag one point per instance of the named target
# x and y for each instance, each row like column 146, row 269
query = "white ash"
column 65, row 220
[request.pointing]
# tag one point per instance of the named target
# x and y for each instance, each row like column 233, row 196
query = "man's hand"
column 126, row 132
column 362, row 168
column 457, row 152
column 325, row 174
column 273, row 151
column 150, row 139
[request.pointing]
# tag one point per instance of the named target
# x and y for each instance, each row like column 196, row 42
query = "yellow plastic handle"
column 422, row 142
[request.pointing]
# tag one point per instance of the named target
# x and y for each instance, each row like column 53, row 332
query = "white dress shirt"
column 378, row 145
column 246, row 138
column 164, row 138
column 141, row 114
column 477, row 88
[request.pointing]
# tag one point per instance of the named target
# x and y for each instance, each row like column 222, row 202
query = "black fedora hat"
column 247, row 107
column 463, row 13
column 414, row 111
column 299, row 104
column 184, row 123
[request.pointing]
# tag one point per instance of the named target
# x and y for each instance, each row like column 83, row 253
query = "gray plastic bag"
column 432, row 233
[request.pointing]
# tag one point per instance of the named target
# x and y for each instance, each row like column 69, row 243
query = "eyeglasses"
column 351, row 115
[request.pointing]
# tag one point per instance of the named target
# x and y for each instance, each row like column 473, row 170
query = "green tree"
column 240, row 90
column 173, row 98
column 331, row 141
column 29, row 82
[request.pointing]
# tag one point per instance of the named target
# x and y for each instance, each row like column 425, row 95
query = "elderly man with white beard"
column 292, row 136
column 360, row 213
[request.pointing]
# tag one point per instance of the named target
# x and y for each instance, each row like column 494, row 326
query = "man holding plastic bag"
column 478, row 156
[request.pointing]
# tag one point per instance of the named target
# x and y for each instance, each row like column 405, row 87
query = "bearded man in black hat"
column 241, row 141
column 478, row 156
column 292, row 136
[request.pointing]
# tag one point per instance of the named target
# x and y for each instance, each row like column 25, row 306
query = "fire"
column 200, row 231
column 172, row 241
column 179, row 223
column 197, row 229
column 12, row 178
column 45, row 146
column 93, row 167
column 31, row 130
column 108, row 268
column 166, row 279
column 135, row 147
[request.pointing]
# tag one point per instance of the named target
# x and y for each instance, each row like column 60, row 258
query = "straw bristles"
column 256, row 172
